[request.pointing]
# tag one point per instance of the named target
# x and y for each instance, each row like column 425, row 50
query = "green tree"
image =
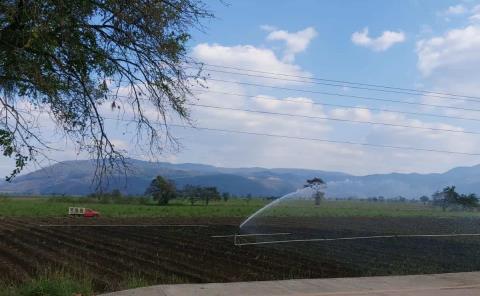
column 68, row 58
column 317, row 184
column 450, row 197
column 116, row 196
column 210, row 193
column 248, row 198
column 161, row 190
column 437, row 198
column 469, row 201
column 424, row 199
column 194, row 193
column 191, row 192
column 225, row 196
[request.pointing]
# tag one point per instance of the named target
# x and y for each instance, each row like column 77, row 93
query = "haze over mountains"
column 75, row 178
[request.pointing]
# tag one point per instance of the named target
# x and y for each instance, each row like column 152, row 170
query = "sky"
column 416, row 44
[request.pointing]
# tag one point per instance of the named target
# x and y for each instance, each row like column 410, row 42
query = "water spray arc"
column 304, row 193
column 308, row 197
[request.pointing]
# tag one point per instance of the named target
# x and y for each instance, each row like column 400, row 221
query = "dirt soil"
column 158, row 253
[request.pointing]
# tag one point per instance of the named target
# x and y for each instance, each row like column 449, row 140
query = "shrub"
column 143, row 200
column 105, row 199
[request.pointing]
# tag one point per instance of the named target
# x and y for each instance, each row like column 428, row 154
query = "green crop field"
column 57, row 207
column 48, row 207
column 359, row 208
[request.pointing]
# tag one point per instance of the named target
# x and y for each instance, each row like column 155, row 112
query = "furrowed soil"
column 112, row 251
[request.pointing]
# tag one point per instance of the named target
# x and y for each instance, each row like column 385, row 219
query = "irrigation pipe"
column 253, row 234
column 352, row 238
column 120, row 225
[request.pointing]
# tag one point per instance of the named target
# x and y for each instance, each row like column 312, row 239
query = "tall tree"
column 161, row 190
column 68, row 58
column 317, row 184
column 450, row 197
column 210, row 193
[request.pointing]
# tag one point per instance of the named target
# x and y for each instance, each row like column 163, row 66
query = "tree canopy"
column 317, row 184
column 314, row 182
column 161, row 190
column 449, row 197
column 196, row 192
column 68, row 58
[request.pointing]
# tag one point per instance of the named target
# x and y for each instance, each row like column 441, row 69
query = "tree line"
column 449, row 198
column 163, row 190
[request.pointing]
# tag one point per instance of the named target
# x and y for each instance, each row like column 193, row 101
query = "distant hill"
column 75, row 177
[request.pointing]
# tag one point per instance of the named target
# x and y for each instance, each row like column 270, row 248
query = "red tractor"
column 83, row 212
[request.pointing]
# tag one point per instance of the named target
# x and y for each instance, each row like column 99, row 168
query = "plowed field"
column 163, row 251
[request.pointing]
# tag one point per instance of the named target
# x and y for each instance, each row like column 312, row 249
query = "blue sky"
column 425, row 44
column 415, row 44
column 332, row 54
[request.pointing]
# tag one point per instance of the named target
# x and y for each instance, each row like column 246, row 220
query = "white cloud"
column 227, row 149
column 475, row 14
column 449, row 63
column 456, row 10
column 457, row 49
column 268, row 28
column 381, row 43
column 249, row 150
column 295, row 42
column 247, row 57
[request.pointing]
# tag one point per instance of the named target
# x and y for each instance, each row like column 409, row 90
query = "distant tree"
column 438, row 199
column 209, row 193
column 450, row 194
column 194, row 193
column 116, row 196
column 161, row 190
column 225, row 196
column 469, row 201
column 248, row 198
column 424, row 199
column 317, row 184
column 449, row 197
column 116, row 193
column 190, row 192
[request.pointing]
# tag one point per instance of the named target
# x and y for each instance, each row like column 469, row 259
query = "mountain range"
column 75, row 178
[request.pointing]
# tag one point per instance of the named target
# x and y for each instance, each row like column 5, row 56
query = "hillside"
column 75, row 178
